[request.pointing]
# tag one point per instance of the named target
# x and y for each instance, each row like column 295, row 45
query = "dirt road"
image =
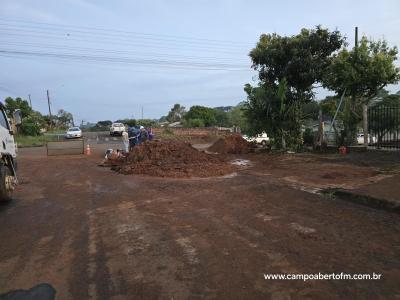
column 95, row 234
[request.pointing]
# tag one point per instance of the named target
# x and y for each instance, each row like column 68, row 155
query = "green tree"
column 310, row 110
column 129, row 122
column 106, row 123
column 282, row 121
column 206, row 114
column 288, row 68
column 11, row 105
column 147, row 122
column 222, row 118
column 176, row 113
column 64, row 119
column 195, row 123
column 163, row 119
column 237, row 117
column 361, row 73
column 32, row 121
column 32, row 124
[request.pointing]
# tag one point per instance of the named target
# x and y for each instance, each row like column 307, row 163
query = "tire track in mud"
column 105, row 236
column 138, row 254
column 39, row 237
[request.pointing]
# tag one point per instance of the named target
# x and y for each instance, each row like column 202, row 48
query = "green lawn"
column 33, row 141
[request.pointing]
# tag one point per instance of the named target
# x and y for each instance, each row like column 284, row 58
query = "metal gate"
column 384, row 126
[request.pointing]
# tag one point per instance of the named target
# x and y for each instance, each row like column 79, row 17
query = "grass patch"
column 56, row 131
column 33, row 141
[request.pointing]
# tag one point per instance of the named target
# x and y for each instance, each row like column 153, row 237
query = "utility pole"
column 364, row 104
column 48, row 102
column 356, row 40
column 320, row 130
column 142, row 112
column 30, row 102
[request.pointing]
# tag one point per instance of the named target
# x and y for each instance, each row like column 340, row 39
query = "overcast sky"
column 108, row 59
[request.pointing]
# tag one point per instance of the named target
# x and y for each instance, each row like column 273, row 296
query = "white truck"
column 262, row 139
column 117, row 129
column 8, row 160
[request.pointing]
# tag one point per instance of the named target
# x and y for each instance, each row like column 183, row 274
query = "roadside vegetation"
column 33, row 141
column 291, row 68
column 282, row 103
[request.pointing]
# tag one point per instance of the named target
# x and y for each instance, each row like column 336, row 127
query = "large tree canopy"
column 176, row 113
column 199, row 116
column 364, row 71
column 64, row 119
column 12, row 104
column 32, row 121
column 300, row 59
column 288, row 67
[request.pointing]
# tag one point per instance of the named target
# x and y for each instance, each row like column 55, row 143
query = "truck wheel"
column 6, row 184
column 264, row 143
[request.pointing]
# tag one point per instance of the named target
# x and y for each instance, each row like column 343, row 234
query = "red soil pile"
column 171, row 159
column 232, row 144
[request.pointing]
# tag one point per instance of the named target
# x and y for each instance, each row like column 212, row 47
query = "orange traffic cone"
column 88, row 149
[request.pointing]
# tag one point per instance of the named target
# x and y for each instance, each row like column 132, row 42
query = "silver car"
column 73, row 132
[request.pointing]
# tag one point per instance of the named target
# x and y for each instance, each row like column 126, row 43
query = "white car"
column 360, row 139
column 73, row 132
column 117, row 129
column 262, row 139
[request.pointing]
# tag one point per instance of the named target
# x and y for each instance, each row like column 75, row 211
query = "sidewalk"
column 384, row 194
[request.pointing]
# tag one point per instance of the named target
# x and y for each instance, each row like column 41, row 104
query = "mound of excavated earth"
column 171, row 159
column 232, row 144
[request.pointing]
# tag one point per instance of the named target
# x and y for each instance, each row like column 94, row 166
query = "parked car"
column 117, row 129
column 73, row 132
column 262, row 139
column 360, row 139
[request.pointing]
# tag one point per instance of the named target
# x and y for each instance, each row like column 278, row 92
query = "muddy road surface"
column 94, row 234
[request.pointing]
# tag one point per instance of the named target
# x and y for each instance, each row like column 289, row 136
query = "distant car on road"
column 73, row 132
column 117, row 129
column 262, row 139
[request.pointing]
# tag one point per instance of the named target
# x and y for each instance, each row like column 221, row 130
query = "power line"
column 124, row 42
column 63, row 26
column 96, row 35
column 170, row 63
column 140, row 69
column 118, row 37
column 114, row 51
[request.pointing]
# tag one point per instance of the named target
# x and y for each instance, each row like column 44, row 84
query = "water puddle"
column 241, row 162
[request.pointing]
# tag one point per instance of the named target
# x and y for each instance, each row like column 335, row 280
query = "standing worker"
column 150, row 133
column 143, row 135
column 125, row 140
column 133, row 137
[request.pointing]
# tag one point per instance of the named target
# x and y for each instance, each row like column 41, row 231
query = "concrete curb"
column 366, row 200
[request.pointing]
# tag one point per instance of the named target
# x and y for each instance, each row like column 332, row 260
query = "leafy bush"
column 195, row 123
column 146, row 123
column 31, row 125
column 29, row 128
column 168, row 131
column 200, row 116
column 308, row 137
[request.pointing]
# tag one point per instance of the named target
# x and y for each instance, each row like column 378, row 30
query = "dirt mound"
column 232, row 144
column 171, row 159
